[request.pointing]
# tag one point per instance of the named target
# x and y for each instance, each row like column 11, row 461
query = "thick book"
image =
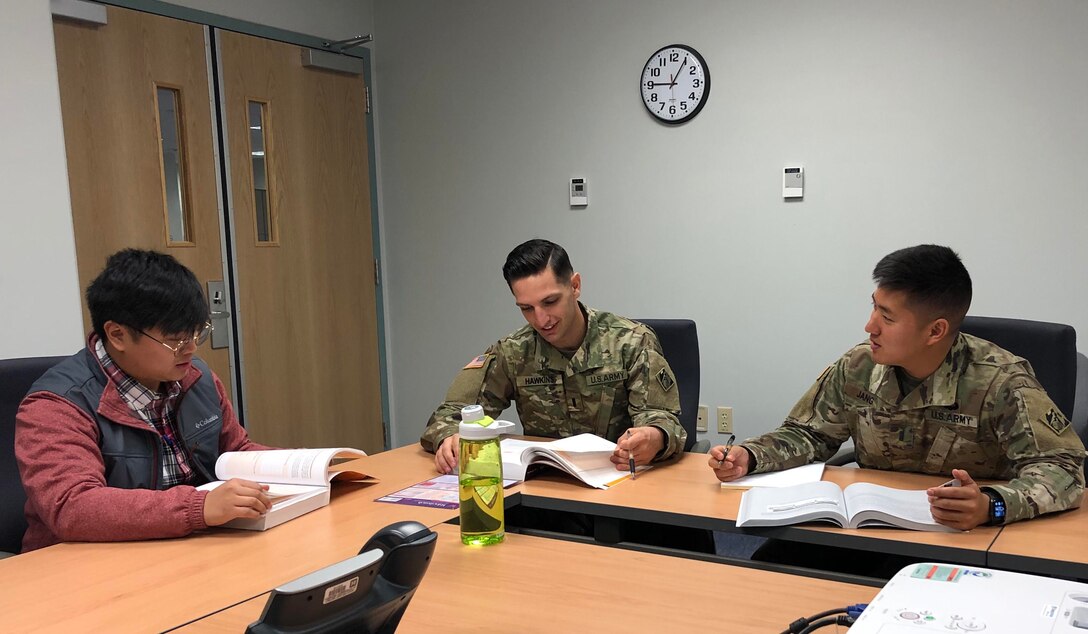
column 857, row 506
column 585, row 456
column 298, row 480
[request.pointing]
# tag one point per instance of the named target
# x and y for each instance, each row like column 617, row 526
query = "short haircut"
column 530, row 258
column 933, row 278
column 144, row 290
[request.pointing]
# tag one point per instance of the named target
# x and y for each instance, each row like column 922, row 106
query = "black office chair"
column 16, row 377
column 1050, row 348
column 680, row 342
column 1052, row 351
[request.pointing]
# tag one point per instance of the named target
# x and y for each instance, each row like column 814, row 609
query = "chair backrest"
column 1050, row 348
column 16, row 377
column 680, row 343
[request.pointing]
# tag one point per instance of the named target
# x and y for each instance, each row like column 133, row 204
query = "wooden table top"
column 533, row 584
column 158, row 584
column 155, row 585
column 1054, row 544
column 687, row 488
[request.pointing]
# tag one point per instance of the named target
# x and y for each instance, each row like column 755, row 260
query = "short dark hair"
column 530, row 258
column 933, row 279
column 146, row 289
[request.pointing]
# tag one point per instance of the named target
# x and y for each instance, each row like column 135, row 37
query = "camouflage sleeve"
column 1044, row 450
column 653, row 397
column 485, row 381
column 813, row 430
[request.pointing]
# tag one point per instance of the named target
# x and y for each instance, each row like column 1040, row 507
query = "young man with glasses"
column 112, row 442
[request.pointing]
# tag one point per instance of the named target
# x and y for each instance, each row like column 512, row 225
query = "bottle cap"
column 491, row 429
column 473, row 413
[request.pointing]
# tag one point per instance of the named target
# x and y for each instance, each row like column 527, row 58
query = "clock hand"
column 682, row 65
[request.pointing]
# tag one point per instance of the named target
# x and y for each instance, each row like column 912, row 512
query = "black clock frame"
column 706, row 91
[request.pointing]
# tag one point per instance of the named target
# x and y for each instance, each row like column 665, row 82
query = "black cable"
column 800, row 624
column 804, row 624
column 844, row 619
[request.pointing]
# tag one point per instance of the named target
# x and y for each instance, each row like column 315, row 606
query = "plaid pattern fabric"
column 159, row 411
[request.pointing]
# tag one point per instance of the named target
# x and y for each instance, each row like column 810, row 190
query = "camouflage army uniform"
column 983, row 410
column 616, row 379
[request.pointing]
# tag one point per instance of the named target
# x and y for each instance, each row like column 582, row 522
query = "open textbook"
column 859, row 505
column 585, row 456
column 298, row 479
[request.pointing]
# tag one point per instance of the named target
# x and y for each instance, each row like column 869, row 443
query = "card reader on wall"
column 579, row 192
column 793, row 182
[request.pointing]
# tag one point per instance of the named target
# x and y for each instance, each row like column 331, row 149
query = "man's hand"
column 445, row 459
column 728, row 467
column 963, row 507
column 641, row 442
column 236, row 498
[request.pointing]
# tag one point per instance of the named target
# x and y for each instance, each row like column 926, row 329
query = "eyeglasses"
column 198, row 337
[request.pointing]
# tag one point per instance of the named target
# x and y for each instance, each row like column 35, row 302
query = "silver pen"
column 728, row 446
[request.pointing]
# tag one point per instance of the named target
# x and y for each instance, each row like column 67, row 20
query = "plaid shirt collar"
column 135, row 395
column 159, row 411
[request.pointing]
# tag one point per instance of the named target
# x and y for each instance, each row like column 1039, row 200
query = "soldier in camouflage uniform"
column 977, row 409
column 571, row 370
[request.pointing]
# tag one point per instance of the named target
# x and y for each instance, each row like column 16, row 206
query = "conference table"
column 222, row 575
column 160, row 584
column 1054, row 545
column 534, row 584
column 685, row 493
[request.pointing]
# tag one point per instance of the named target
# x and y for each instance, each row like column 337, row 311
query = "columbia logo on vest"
column 207, row 421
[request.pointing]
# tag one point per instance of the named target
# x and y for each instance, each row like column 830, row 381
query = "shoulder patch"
column 665, row 379
column 1056, row 421
column 478, row 362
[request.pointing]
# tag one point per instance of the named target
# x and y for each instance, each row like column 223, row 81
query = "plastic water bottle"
column 480, row 478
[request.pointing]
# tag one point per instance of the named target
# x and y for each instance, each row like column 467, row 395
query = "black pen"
column 728, row 446
column 630, row 458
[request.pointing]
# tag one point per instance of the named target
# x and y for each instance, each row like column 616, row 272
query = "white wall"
column 963, row 123
column 39, row 289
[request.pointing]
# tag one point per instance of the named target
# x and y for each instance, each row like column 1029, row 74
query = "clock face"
column 675, row 83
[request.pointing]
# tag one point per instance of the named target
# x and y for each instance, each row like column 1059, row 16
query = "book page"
column 597, row 474
column 285, row 466
column 582, row 443
column 904, row 508
column 591, row 452
column 277, row 493
column 767, row 506
column 788, row 478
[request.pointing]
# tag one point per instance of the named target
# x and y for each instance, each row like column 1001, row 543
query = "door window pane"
column 258, row 150
column 175, row 191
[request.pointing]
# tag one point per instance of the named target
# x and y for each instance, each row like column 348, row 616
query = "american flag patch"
column 478, row 362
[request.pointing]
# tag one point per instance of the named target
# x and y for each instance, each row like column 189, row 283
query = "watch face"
column 675, row 83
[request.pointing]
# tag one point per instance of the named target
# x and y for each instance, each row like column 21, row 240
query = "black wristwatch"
column 997, row 508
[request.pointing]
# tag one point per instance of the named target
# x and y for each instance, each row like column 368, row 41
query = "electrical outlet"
column 725, row 420
column 701, row 419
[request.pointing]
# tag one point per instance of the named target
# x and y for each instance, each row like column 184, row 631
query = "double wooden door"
column 289, row 224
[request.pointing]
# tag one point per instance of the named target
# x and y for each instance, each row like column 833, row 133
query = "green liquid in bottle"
column 482, row 517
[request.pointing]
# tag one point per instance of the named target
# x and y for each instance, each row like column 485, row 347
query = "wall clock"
column 675, row 83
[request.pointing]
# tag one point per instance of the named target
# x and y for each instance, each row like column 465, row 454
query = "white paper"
column 788, row 478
